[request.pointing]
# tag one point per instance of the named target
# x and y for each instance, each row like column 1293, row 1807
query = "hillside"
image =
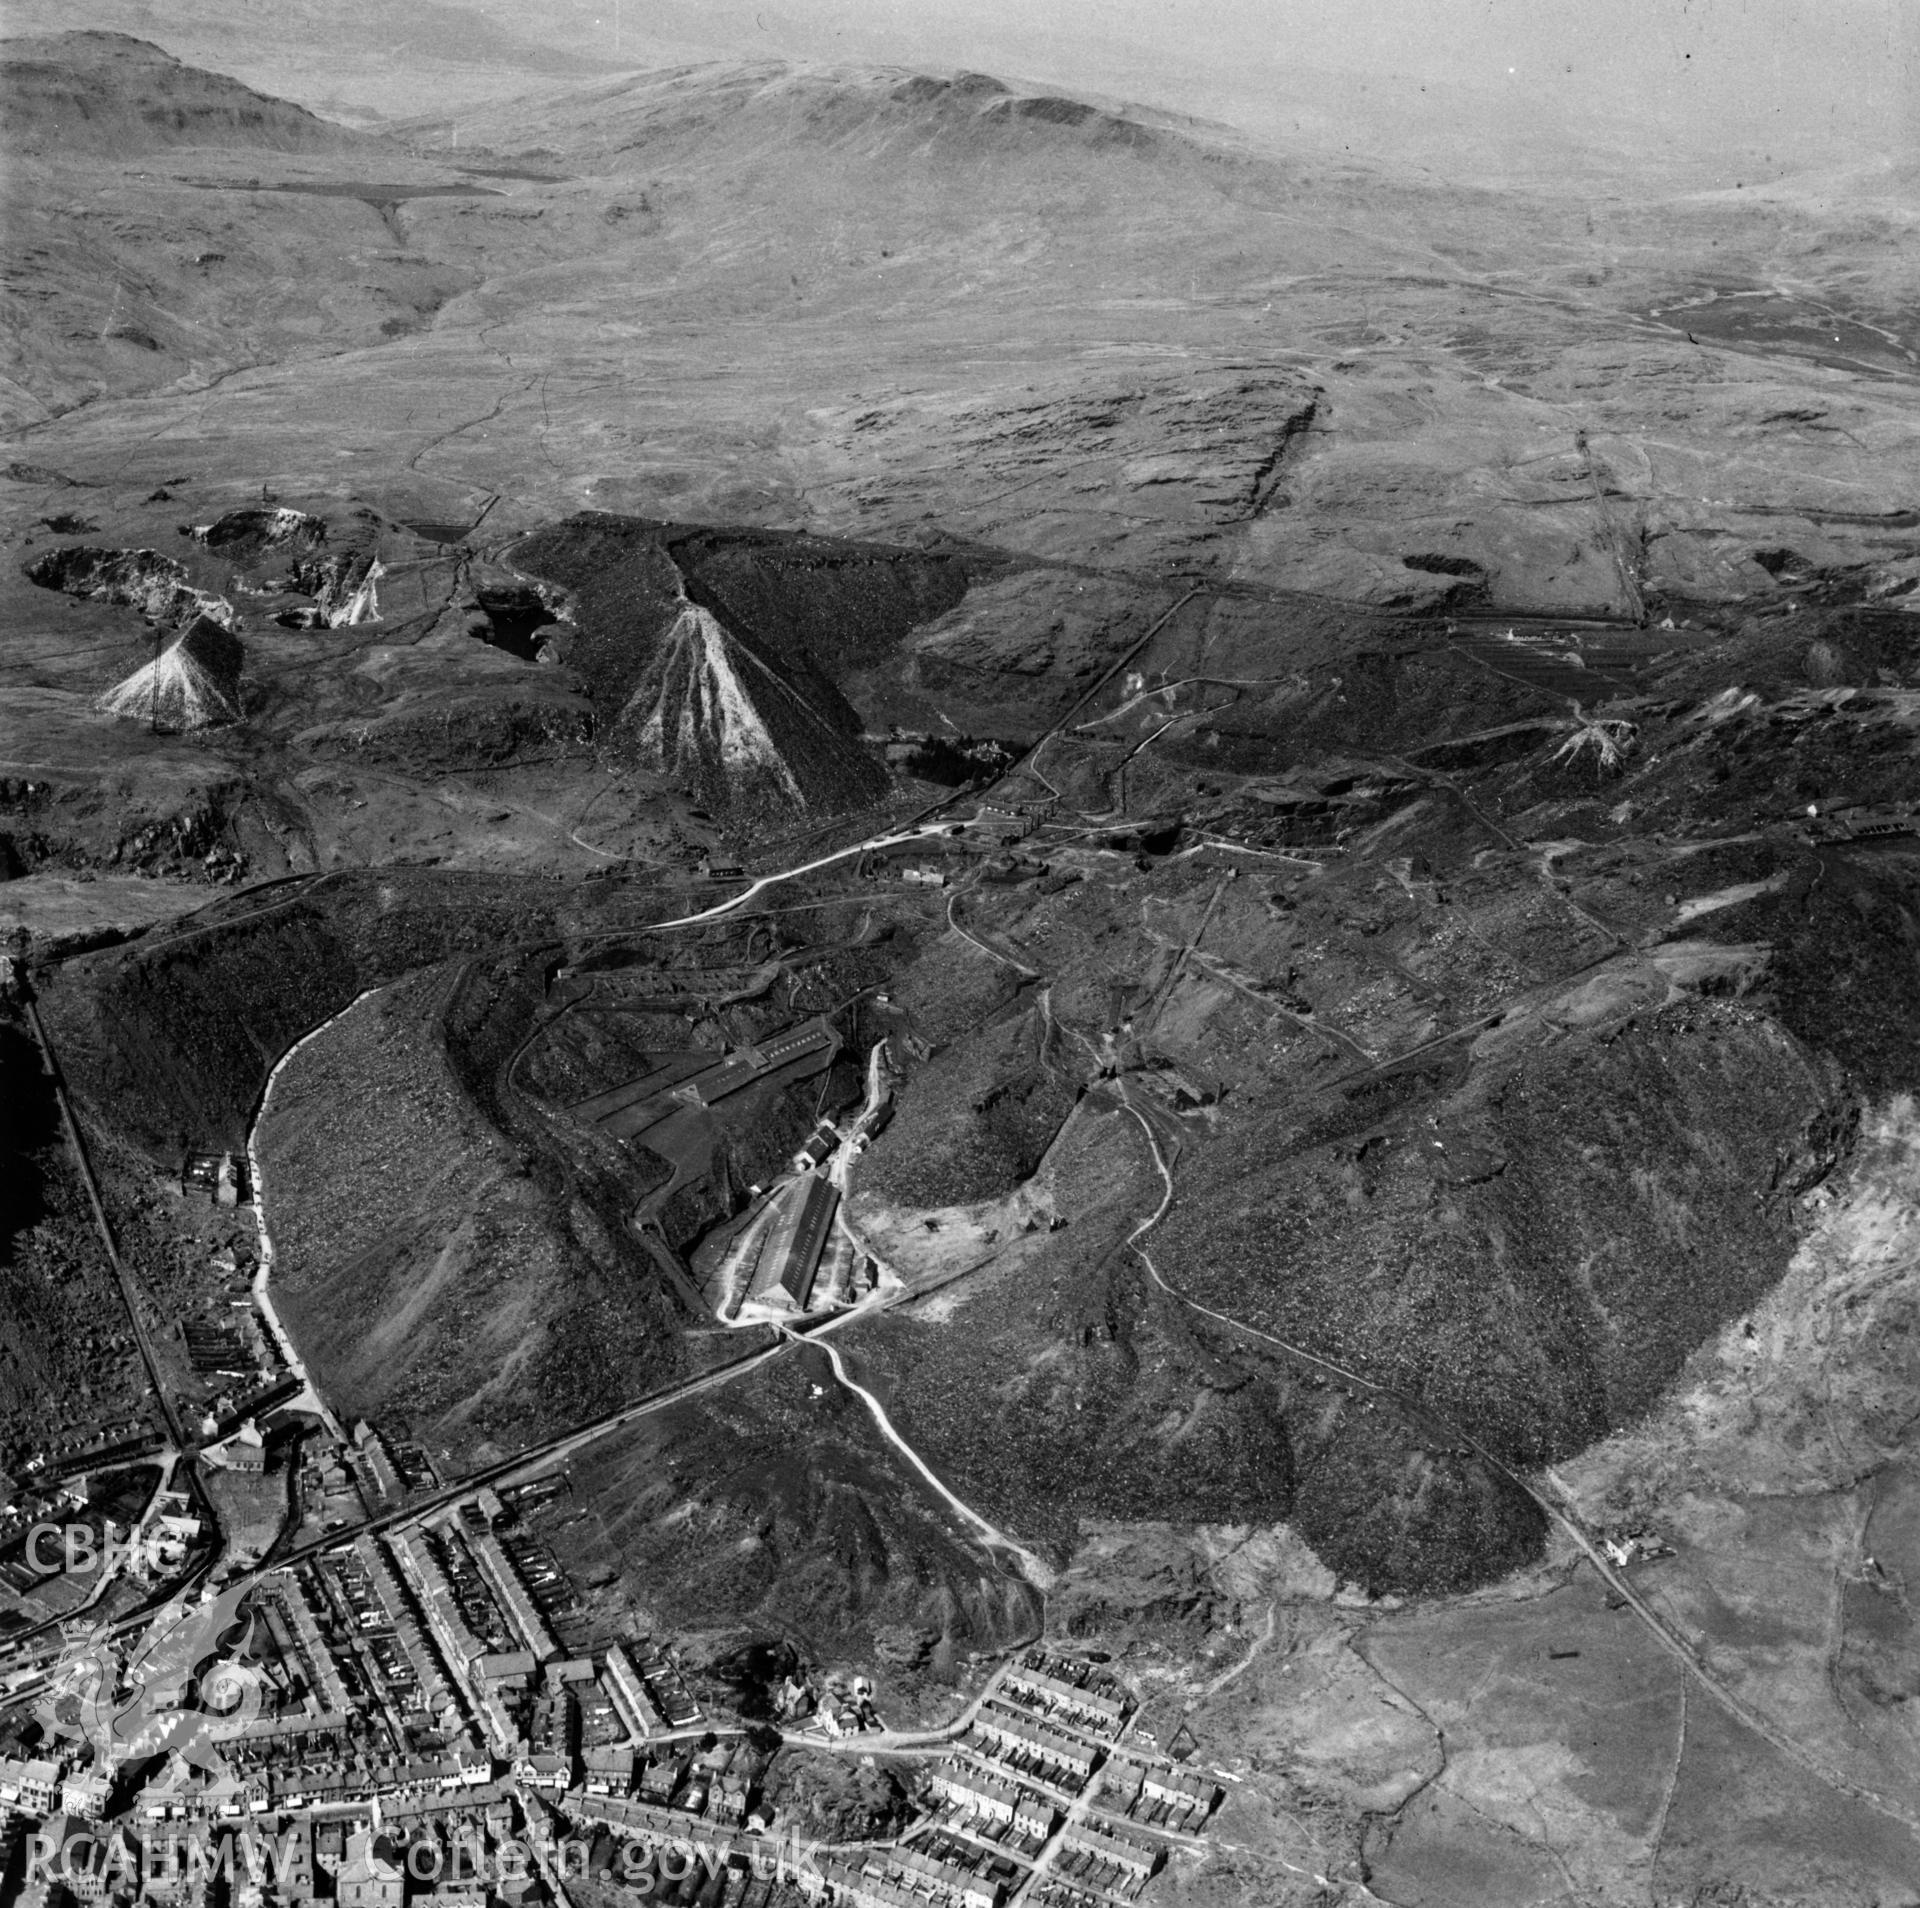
column 424, row 1273
column 715, row 657
column 112, row 94
column 1330, row 756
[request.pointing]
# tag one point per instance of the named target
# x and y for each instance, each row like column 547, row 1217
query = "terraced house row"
column 984, row 1798
column 1013, row 1735
column 898, row 1878
column 1074, row 1693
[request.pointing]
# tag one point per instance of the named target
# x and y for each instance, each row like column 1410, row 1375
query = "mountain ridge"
column 114, row 94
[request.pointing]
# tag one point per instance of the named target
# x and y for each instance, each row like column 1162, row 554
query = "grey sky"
column 1741, row 86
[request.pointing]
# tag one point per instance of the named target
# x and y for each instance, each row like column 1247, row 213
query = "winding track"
column 1033, row 1568
column 1665, row 1633
column 1006, row 960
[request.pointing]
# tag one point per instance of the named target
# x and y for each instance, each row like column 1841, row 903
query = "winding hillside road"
column 1035, row 1569
column 761, row 882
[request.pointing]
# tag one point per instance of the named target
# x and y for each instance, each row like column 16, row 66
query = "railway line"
column 76, row 1146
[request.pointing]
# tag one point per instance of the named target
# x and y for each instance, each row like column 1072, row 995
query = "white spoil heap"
column 194, row 683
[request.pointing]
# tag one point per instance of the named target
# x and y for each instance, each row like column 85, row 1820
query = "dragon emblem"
column 179, row 1685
